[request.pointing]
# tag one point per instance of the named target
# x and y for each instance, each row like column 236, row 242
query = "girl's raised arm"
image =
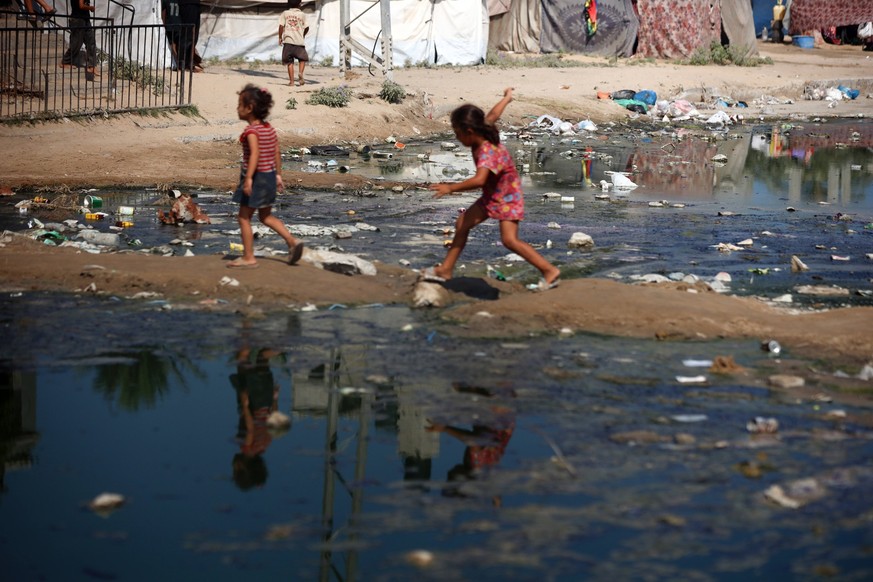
column 497, row 110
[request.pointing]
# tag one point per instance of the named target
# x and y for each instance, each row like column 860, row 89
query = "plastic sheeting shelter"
column 423, row 31
column 658, row 28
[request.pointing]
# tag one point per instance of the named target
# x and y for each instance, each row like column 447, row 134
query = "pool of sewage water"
column 411, row 453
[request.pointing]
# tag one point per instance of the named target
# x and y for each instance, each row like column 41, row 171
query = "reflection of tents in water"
column 683, row 169
column 688, row 170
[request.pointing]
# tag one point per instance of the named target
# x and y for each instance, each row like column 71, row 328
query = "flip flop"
column 543, row 286
column 430, row 276
column 236, row 265
column 295, row 254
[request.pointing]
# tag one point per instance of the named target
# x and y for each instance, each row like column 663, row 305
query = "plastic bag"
column 865, row 30
column 647, row 97
column 623, row 94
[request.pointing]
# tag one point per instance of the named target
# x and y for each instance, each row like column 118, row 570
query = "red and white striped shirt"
column 268, row 143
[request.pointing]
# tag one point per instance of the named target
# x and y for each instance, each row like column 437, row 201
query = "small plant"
column 716, row 54
column 291, row 103
column 139, row 74
column 331, row 96
column 392, row 92
column 327, row 61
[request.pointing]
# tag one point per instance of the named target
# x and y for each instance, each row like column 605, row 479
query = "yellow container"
column 124, row 223
column 237, row 247
column 94, row 216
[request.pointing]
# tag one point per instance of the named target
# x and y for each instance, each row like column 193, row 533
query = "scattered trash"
column 420, row 558
column 761, row 425
column 278, row 420
column 620, row 181
column 785, row 381
column 580, row 240
column 771, row 346
column 183, row 211
column 228, row 281
column 689, row 417
column 93, row 201
column 796, row 494
column 797, row 266
column 701, row 379
column 106, row 503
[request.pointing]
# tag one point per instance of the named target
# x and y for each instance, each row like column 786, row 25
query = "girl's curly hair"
column 259, row 99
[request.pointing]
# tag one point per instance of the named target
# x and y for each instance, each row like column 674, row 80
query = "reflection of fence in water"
column 132, row 70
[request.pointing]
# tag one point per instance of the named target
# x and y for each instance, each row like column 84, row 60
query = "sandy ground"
column 177, row 151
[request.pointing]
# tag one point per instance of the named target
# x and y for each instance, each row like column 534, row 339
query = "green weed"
column 392, row 92
column 331, row 96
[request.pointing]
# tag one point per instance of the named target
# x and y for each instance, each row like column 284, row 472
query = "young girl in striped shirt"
column 260, row 176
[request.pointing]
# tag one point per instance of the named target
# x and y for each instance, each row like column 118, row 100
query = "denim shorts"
column 263, row 190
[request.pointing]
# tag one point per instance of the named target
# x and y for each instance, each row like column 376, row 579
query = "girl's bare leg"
column 269, row 219
column 248, row 238
column 301, row 66
column 509, row 236
column 291, row 73
column 473, row 216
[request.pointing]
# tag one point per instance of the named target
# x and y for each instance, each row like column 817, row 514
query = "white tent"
column 423, row 31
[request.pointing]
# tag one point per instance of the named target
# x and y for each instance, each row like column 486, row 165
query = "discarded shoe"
column 544, row 286
column 430, row 275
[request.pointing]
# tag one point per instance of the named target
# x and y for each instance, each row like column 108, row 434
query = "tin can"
column 93, row 201
column 771, row 346
column 125, row 210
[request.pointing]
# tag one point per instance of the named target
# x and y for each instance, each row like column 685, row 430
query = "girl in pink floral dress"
column 501, row 198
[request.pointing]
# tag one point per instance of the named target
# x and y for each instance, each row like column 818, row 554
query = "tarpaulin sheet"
column 739, row 24
column 676, row 28
column 809, row 15
column 563, row 28
column 517, row 30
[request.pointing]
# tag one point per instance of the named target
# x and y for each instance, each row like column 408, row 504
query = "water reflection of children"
column 257, row 396
column 485, row 443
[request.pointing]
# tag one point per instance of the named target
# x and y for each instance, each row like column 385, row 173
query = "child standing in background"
column 292, row 30
column 260, row 176
column 501, row 193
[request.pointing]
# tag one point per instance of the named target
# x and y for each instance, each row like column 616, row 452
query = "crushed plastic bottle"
column 495, row 274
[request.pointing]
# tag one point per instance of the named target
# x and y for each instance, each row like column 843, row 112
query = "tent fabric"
column 809, row 15
column 423, row 31
column 517, row 30
column 498, row 7
column 564, row 28
column 676, row 28
column 739, row 24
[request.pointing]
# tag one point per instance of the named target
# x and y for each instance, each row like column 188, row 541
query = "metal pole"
column 386, row 40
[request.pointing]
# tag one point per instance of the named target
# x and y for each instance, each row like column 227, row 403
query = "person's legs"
column 78, row 29
column 291, row 72
column 90, row 51
column 272, row 221
column 474, row 215
column 248, row 238
column 509, row 236
column 301, row 66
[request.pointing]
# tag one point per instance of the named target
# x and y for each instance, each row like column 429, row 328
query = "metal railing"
column 134, row 68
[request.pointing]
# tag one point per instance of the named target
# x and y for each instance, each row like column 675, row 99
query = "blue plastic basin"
column 806, row 42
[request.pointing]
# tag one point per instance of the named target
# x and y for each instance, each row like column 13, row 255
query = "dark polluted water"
column 413, row 454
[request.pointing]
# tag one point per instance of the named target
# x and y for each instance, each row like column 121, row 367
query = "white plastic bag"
column 865, row 30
